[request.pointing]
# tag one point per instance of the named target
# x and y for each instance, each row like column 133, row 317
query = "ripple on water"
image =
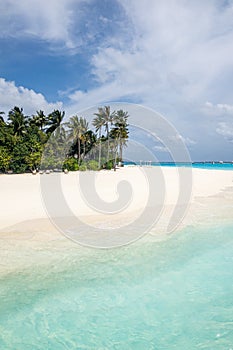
column 172, row 294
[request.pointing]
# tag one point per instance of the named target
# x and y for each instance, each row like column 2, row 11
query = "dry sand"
column 21, row 198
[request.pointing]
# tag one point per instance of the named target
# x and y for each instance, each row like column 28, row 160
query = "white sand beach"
column 21, row 198
column 25, row 225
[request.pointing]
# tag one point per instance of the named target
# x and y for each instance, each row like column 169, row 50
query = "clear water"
column 198, row 165
column 173, row 294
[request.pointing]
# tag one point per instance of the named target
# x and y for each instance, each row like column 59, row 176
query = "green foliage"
column 18, row 159
column 109, row 165
column 6, row 136
column 33, row 160
column 5, row 159
column 18, row 121
column 24, row 139
column 54, row 120
column 93, row 165
column 70, row 164
column 83, row 167
column 40, row 120
column 51, row 163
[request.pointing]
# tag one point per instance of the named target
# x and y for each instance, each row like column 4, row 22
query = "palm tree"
column 98, row 123
column 60, row 134
column 58, row 143
column 54, row 120
column 18, row 121
column 108, row 116
column 78, row 127
column 89, row 141
column 121, row 129
column 84, row 129
column 39, row 119
column 105, row 114
column 115, row 136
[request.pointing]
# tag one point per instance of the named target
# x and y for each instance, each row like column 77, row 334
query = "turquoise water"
column 198, row 165
column 172, row 294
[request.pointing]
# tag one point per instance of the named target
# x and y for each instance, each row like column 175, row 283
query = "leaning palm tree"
column 54, row 120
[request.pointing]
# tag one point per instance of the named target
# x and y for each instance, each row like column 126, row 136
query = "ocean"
column 198, row 165
column 176, row 293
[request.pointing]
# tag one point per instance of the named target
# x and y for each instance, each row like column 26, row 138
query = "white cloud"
column 178, row 53
column 52, row 20
column 226, row 130
column 12, row 95
column 112, row 91
column 187, row 140
column 219, row 109
column 160, row 149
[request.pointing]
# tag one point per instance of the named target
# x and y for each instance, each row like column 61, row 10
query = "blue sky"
column 175, row 57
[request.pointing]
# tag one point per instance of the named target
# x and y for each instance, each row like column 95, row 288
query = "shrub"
column 19, row 167
column 4, row 159
column 83, row 167
column 92, row 165
column 109, row 165
column 70, row 164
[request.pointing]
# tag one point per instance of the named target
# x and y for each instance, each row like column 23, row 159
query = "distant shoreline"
column 208, row 165
column 200, row 165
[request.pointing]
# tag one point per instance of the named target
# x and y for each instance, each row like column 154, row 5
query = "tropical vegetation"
column 43, row 142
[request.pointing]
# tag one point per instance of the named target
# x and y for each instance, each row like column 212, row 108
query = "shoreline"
column 28, row 237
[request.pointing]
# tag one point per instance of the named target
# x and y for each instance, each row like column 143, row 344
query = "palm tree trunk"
column 121, row 150
column 84, row 147
column 107, row 141
column 100, row 148
column 116, row 145
column 79, row 151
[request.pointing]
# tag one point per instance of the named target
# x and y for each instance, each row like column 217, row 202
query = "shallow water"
column 197, row 165
column 172, row 294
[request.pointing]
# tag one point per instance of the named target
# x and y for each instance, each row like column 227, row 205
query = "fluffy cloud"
column 171, row 52
column 219, row 109
column 160, row 149
column 171, row 56
column 180, row 55
column 67, row 26
column 23, row 97
column 187, row 140
column 52, row 20
column 226, row 130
